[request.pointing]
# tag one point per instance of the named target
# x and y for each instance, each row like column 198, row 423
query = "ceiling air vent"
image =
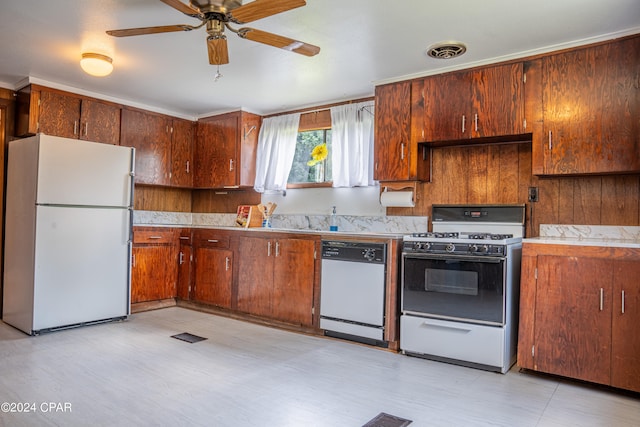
column 446, row 50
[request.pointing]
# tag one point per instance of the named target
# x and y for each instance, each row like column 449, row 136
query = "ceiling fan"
column 217, row 14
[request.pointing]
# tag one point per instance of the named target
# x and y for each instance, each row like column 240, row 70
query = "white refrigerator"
column 69, row 206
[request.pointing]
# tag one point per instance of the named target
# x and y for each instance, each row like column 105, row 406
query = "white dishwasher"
column 352, row 290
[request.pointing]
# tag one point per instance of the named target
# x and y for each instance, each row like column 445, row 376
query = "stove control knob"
column 484, row 248
column 473, row 248
column 369, row 254
column 450, row 247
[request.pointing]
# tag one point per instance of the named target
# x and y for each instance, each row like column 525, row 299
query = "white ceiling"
column 363, row 43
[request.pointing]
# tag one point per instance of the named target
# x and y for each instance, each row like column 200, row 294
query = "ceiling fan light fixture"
column 96, row 64
column 446, row 50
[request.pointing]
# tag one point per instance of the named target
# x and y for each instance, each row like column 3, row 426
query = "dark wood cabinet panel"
column 213, row 276
column 447, row 102
column 276, row 278
column 255, row 275
column 100, row 122
column 579, row 346
column 182, row 136
column 153, row 273
column 591, row 110
column 67, row 115
column 185, row 266
column 487, row 102
column 497, row 101
column 225, row 150
column 59, row 114
column 150, row 135
column 293, row 281
column 395, row 157
column 625, row 363
column 579, row 311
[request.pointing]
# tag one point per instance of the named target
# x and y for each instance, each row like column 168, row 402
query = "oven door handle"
column 447, row 257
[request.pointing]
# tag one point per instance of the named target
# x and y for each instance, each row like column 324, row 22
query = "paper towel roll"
column 400, row 199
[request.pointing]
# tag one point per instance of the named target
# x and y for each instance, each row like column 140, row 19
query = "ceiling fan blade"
column 259, row 9
column 279, row 41
column 187, row 9
column 218, row 52
column 149, row 30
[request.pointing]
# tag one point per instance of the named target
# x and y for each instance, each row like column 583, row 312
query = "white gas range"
column 460, row 286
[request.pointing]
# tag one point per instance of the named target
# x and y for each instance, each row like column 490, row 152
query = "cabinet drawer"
column 452, row 340
column 157, row 237
column 211, row 238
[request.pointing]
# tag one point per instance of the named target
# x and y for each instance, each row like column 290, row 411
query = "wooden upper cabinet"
column 149, row 134
column 590, row 111
column 225, row 150
column 396, row 153
column 100, row 122
column 486, row 102
column 64, row 114
column 182, row 136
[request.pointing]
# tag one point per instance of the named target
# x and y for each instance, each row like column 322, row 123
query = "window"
column 306, row 170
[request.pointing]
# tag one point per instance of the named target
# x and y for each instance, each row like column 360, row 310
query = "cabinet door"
column 213, row 276
column 447, row 107
column 100, row 122
column 149, row 135
column 255, row 275
column 216, row 142
column 591, row 117
column 59, row 114
column 498, row 103
column 248, row 149
column 153, row 273
column 392, row 132
column 182, row 153
column 573, row 317
column 185, row 266
column 293, row 281
column 625, row 363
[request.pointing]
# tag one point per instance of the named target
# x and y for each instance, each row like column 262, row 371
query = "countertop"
column 588, row 235
column 612, row 243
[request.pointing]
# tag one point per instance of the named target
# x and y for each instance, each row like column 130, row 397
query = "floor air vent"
column 187, row 337
column 386, row 420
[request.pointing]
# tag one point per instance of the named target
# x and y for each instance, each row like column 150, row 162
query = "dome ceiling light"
column 96, row 64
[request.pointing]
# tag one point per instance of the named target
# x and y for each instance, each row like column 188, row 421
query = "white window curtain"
column 276, row 148
column 352, row 144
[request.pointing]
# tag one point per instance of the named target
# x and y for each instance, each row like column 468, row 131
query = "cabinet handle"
column 464, row 119
column 475, row 120
column 181, row 259
column 213, row 240
column 601, row 298
column 187, row 166
column 155, row 237
column 550, row 140
column 269, row 248
column 402, row 151
column 86, row 128
column 622, row 302
column 277, row 248
column 230, row 165
column 226, row 263
column 133, row 260
column 75, row 127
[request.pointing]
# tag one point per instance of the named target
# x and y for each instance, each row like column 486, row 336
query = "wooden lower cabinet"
column 213, row 276
column 276, row 278
column 579, row 308
column 154, row 266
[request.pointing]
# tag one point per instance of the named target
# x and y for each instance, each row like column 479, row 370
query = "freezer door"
column 72, row 172
column 81, row 266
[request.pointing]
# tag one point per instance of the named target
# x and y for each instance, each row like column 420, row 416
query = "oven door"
column 455, row 287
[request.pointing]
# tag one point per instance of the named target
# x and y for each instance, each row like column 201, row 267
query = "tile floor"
column 133, row 373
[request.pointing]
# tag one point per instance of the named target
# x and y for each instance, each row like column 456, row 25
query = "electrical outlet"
column 533, row 194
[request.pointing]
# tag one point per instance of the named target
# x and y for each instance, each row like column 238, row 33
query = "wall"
column 500, row 174
column 359, row 201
